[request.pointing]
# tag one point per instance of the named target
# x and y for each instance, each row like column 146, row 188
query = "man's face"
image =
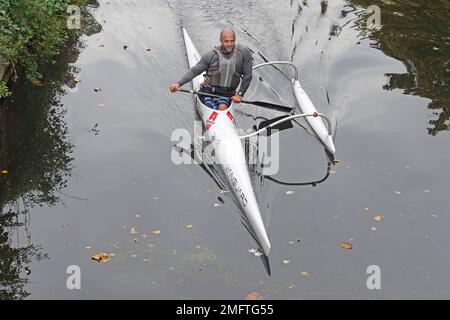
column 227, row 40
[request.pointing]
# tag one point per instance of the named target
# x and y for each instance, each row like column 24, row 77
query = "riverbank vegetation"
column 32, row 32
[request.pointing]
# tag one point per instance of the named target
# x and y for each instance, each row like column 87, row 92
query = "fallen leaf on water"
column 97, row 89
column 4, row 171
column 332, row 172
column 374, row 228
column 426, row 190
column 100, row 257
column 149, row 49
column 254, row 296
column 290, row 192
column 137, row 215
column 189, row 226
column 27, row 270
column 125, row 47
column 286, row 261
column 101, row 45
column 112, row 254
column 397, row 192
column 377, row 218
column 133, row 230
column 37, row 83
column 156, row 231
column 101, row 105
column 65, row 226
column 155, row 198
column 366, row 209
column 291, row 286
column 346, row 245
column 217, row 204
column 88, row 247
column 77, row 81
column 304, row 274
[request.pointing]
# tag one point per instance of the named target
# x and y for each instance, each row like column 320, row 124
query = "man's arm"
column 247, row 71
column 200, row 67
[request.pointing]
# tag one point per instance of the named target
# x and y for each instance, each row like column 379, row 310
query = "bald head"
column 227, row 40
column 227, row 32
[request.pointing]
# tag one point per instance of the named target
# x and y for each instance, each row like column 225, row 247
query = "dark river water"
column 90, row 171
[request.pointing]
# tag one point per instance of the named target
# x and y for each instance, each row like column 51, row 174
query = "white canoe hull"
column 316, row 123
column 229, row 154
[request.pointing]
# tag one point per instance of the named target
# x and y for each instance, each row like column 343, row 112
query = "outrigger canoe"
column 220, row 128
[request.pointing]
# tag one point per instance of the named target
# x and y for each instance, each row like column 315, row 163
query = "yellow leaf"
column 254, row 296
column 377, row 218
column 100, row 257
column 4, row 171
column 133, row 230
column 189, row 226
column 304, row 274
column 346, row 245
column 156, row 231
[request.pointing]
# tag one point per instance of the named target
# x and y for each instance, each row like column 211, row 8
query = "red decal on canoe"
column 213, row 116
column 208, row 125
column 230, row 115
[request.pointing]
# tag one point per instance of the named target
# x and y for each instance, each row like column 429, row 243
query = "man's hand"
column 174, row 87
column 236, row 98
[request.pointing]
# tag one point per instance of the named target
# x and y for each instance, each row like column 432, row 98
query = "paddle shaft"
column 257, row 103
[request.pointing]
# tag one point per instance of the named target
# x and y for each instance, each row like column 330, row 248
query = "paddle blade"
column 280, row 126
column 270, row 106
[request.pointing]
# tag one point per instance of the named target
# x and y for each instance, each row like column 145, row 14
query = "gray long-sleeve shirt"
column 210, row 62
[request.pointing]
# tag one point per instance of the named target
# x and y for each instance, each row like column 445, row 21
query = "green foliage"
column 32, row 32
column 4, row 91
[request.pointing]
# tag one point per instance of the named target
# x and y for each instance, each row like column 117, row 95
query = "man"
column 225, row 66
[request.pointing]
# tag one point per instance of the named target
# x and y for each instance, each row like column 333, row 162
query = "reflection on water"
column 416, row 33
column 35, row 151
column 35, row 159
